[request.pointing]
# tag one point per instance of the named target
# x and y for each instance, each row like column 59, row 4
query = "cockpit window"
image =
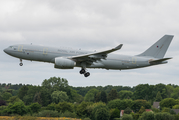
column 11, row 47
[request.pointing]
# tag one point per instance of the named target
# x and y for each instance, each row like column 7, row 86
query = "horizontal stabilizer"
column 158, row 61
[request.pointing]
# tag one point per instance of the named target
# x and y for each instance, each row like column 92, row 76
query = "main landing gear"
column 83, row 71
column 21, row 64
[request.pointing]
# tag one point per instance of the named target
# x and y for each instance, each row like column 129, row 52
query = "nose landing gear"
column 21, row 64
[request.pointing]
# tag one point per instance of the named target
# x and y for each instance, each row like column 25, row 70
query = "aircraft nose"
column 5, row 50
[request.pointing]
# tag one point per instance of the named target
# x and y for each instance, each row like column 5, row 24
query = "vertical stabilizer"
column 159, row 49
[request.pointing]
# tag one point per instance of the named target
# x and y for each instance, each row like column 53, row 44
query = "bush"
column 136, row 116
column 99, row 106
column 2, row 102
column 115, row 114
column 64, row 106
column 86, row 119
column 102, row 114
column 16, row 108
column 127, row 117
column 147, row 116
column 25, row 118
column 3, row 107
column 81, row 109
column 14, row 99
column 48, row 113
column 35, row 107
column 90, row 108
column 164, row 116
column 68, row 114
column 177, row 117
column 117, row 118
column 166, row 110
column 51, row 106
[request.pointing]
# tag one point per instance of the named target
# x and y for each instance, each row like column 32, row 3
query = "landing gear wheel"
column 87, row 74
column 82, row 71
column 21, row 64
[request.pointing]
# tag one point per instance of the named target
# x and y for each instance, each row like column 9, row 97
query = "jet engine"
column 64, row 63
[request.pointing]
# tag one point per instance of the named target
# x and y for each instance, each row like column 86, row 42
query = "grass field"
column 34, row 118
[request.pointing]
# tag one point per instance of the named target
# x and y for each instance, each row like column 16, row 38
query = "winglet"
column 118, row 47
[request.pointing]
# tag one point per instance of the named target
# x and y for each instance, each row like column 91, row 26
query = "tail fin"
column 158, row 49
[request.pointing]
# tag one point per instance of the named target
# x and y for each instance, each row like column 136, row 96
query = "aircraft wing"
column 92, row 57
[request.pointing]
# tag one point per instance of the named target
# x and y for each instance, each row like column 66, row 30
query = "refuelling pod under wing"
column 64, row 63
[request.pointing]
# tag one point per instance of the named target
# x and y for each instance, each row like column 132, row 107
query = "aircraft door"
column 134, row 60
column 45, row 51
column 20, row 48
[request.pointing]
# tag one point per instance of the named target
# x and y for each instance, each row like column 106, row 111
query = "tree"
column 137, row 104
column 45, row 96
column 97, row 97
column 170, row 90
column 6, row 95
column 75, row 97
column 127, row 110
column 158, row 97
column 59, row 96
column 112, row 95
column 142, row 91
column 175, row 93
column 125, row 94
column 175, row 107
column 22, row 91
column 167, row 102
column 37, row 97
column 101, row 114
column 104, row 97
column 55, row 84
column 90, row 95
column 27, row 99
column 162, row 88
column 31, row 95
column 142, row 109
column 120, row 104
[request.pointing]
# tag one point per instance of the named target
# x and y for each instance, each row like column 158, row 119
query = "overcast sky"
column 89, row 25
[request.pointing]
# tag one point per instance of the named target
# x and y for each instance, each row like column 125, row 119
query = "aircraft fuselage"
column 48, row 54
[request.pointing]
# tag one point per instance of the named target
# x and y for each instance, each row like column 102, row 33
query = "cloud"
column 91, row 25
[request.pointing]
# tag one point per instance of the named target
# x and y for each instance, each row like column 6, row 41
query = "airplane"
column 63, row 58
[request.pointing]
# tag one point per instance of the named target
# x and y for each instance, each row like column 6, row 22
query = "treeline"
column 57, row 99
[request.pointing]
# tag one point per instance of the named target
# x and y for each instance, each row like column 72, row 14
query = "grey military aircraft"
column 68, row 58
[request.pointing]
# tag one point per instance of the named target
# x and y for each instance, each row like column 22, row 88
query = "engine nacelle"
column 64, row 63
